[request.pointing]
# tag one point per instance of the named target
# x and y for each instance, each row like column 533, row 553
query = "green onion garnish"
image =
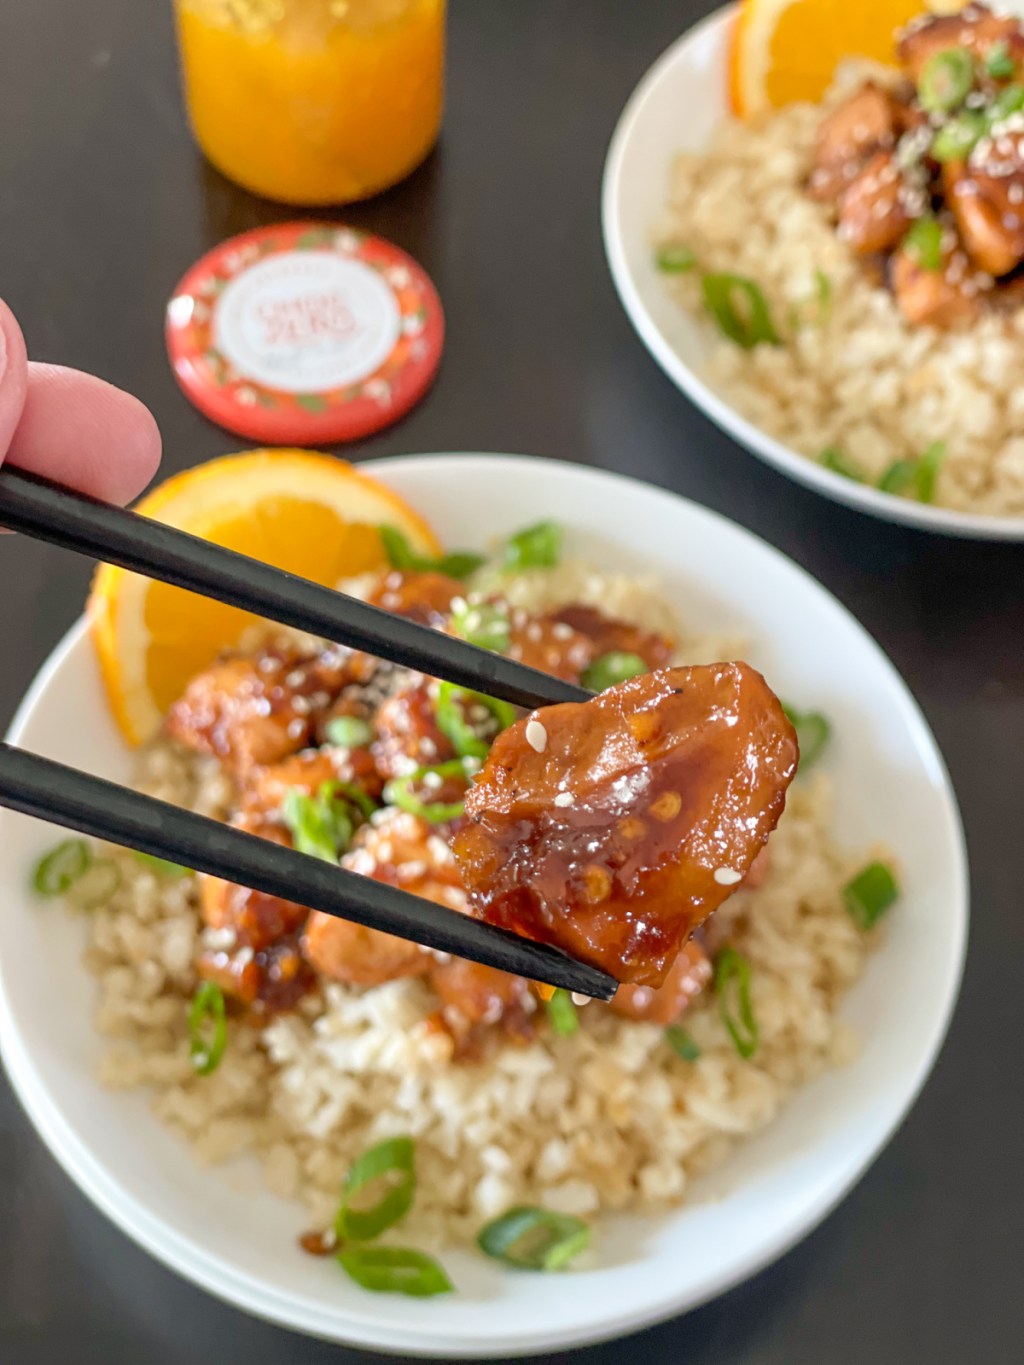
column 928, row 470
column 1009, row 101
column 486, row 624
column 343, row 792
column 812, row 733
column 740, row 309
column 562, row 1013
column 535, row 547
column 956, row 140
column 453, row 706
column 833, row 458
column 401, row 555
column 58, row 871
column 207, row 1028
column 674, row 259
column 923, row 240
column 399, row 792
column 681, row 1042
column 161, row 866
column 349, row 732
column 612, row 668
column 97, row 884
column 946, row 80
column 732, row 987
column 395, row 1270
column 998, row 62
column 870, row 894
column 823, row 290
column 898, row 477
column 319, row 825
column 534, row 1238
column 395, row 1157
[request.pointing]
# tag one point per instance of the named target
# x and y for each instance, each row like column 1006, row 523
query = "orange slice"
column 788, row 50
column 310, row 514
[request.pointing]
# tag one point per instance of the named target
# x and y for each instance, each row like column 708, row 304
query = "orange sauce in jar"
column 313, row 101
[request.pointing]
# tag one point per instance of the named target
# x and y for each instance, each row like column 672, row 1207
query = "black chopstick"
column 64, row 796
column 49, row 512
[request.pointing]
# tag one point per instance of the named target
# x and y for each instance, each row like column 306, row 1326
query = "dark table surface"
column 103, row 204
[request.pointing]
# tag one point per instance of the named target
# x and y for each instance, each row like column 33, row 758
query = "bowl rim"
column 213, row 1274
column 884, row 506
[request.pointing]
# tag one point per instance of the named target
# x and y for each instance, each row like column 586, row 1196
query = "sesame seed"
column 727, row 876
column 564, row 799
column 580, row 1000
column 536, row 736
column 561, row 631
column 244, row 956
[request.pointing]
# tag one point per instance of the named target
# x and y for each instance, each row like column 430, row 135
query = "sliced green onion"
column 453, row 703
column 399, row 792
column 898, row 477
column 1009, row 101
column 401, row 555
column 58, row 871
column 823, row 290
column 562, row 1013
column 812, row 733
column 395, row 1270
column 535, row 547
column 161, row 866
column 748, row 324
column 349, row 732
column 674, row 259
column 923, row 240
column 534, row 1238
column 354, row 795
column 833, row 458
column 207, row 1028
column 680, row 1040
column 318, row 825
column 486, row 624
column 928, row 466
column 97, row 884
column 732, row 987
column 998, row 62
column 870, row 894
column 393, row 1157
column 612, row 668
column 956, row 139
column 946, row 80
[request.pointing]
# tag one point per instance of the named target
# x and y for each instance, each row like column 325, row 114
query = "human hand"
column 72, row 427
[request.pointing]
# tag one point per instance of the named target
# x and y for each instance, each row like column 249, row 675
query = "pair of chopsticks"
column 103, row 810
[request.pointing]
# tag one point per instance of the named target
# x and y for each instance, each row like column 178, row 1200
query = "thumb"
column 13, row 377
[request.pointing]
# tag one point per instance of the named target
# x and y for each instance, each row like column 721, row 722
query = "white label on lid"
column 307, row 321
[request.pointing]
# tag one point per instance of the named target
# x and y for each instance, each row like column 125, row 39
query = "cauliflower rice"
column 851, row 372
column 607, row 1119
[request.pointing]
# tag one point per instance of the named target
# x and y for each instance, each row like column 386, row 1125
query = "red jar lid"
column 305, row 334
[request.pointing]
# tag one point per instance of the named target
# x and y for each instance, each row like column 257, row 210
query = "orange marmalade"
column 313, row 101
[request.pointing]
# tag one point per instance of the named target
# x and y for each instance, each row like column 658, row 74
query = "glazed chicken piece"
column 251, row 949
column 689, row 974
column 937, row 298
column 613, row 828
column 402, row 850
column 408, row 735
column 975, row 28
column 423, row 597
column 475, row 997
column 609, row 635
column 873, row 214
column 266, row 787
column 986, row 196
column 868, row 123
column 551, row 645
column 258, row 710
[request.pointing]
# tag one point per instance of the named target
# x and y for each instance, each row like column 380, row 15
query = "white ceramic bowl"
column 674, row 109
column 222, row 1230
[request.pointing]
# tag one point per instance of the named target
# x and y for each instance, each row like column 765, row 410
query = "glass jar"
column 313, row 101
